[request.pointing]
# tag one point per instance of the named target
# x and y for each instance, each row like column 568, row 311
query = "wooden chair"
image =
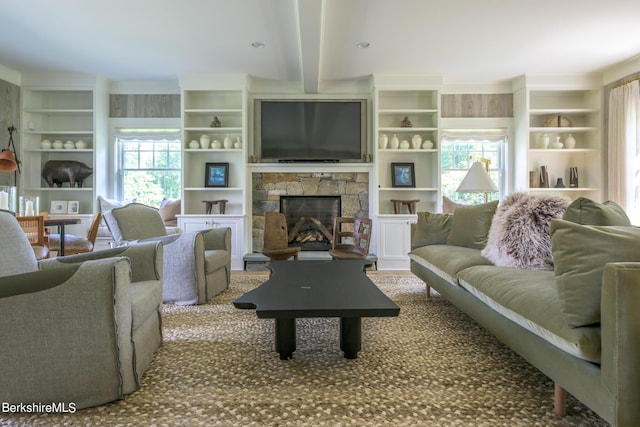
column 33, row 227
column 276, row 238
column 351, row 241
column 77, row 244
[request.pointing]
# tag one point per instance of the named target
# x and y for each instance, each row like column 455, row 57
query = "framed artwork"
column 216, row 175
column 59, row 207
column 403, row 175
column 73, row 207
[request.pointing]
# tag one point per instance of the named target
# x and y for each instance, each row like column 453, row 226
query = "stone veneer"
column 267, row 187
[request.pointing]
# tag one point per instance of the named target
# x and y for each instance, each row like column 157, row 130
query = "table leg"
column 286, row 337
column 350, row 336
column 61, row 233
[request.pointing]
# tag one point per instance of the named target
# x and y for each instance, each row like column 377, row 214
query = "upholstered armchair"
column 81, row 329
column 197, row 265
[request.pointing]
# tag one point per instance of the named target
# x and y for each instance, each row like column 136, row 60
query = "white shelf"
column 229, row 189
column 572, row 129
column 408, row 189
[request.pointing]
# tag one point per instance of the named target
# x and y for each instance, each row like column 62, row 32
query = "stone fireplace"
column 318, row 195
column 310, row 220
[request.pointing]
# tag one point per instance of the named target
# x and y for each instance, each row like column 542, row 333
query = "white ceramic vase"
column 204, row 141
column 427, row 145
column 228, row 142
column 416, row 141
column 544, row 141
column 570, row 142
column 395, row 142
column 383, row 141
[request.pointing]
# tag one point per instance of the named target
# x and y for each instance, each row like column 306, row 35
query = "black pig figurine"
column 71, row 171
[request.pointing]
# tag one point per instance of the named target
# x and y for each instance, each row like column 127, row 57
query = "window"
column 456, row 152
column 148, row 167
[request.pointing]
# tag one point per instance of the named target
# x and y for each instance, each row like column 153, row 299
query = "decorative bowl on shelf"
column 45, row 144
column 69, row 145
column 58, row 144
column 216, row 144
column 81, row 145
column 194, row 144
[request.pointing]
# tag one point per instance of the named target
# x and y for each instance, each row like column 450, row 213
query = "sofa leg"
column 559, row 400
column 428, row 291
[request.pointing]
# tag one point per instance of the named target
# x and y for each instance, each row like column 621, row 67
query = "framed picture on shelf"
column 403, row 175
column 216, row 175
column 73, row 207
column 59, row 207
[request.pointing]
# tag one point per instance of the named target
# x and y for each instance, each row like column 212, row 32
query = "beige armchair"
column 197, row 265
column 80, row 329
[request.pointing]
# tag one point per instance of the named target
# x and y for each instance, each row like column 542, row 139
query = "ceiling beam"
column 310, row 17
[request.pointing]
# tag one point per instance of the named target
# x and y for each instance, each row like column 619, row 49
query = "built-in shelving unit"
column 200, row 108
column 397, row 100
column 421, row 108
column 205, row 99
column 74, row 115
column 559, row 110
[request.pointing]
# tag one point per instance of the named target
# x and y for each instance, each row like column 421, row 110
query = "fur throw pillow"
column 519, row 236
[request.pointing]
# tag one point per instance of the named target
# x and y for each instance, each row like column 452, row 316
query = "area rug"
column 431, row 366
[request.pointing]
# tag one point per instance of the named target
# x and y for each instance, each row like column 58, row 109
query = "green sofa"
column 576, row 321
column 80, row 330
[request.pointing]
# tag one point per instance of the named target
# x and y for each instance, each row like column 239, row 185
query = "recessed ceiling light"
column 363, row 45
column 257, row 45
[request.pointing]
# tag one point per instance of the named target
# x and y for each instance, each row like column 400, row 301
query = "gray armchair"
column 81, row 329
column 197, row 265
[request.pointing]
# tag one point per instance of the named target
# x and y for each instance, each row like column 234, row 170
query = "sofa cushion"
column 519, row 235
column 579, row 254
column 530, row 299
column 471, row 224
column 431, row 229
column 587, row 212
column 446, row 260
column 168, row 211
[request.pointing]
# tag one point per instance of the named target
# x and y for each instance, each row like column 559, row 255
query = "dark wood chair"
column 276, row 238
column 351, row 238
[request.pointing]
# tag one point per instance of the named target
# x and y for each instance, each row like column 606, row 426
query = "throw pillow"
column 105, row 205
column 168, row 211
column 470, row 225
column 431, row 229
column 519, row 235
column 448, row 205
column 579, row 255
column 587, row 212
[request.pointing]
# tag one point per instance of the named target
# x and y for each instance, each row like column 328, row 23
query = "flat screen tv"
column 311, row 130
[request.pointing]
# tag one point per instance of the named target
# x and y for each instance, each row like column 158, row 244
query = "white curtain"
column 624, row 148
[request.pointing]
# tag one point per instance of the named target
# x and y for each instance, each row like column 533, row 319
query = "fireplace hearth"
column 310, row 220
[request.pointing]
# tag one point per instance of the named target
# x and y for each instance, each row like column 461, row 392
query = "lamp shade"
column 7, row 161
column 477, row 180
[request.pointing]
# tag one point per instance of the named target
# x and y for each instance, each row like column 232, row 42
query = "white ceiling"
column 314, row 41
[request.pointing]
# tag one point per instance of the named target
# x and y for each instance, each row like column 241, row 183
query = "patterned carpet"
column 431, row 366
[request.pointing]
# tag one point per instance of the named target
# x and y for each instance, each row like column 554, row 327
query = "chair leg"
column 559, row 400
column 428, row 292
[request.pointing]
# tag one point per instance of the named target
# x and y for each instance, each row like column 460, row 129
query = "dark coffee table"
column 338, row 288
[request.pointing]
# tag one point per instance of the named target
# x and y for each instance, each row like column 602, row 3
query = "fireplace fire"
column 310, row 220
